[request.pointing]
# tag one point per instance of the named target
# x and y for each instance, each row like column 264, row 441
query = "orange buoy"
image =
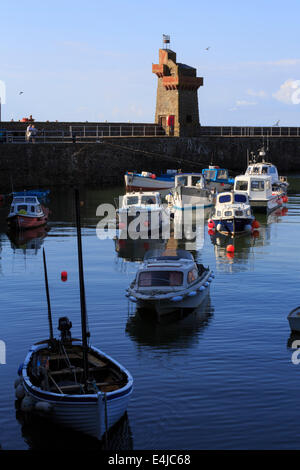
column 230, row 255
column 255, row 224
column 230, row 249
column 64, row 276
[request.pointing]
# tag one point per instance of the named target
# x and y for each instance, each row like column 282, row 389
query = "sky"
column 92, row 60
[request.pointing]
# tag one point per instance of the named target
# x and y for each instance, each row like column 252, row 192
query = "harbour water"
column 220, row 377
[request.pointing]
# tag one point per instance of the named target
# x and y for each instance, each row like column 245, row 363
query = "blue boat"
column 217, row 179
column 232, row 214
column 147, row 181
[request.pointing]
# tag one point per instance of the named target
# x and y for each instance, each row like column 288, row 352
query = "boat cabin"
column 168, row 269
column 256, row 187
column 190, row 180
column 219, row 175
column 27, row 205
column 263, row 168
column 140, row 199
column 231, row 204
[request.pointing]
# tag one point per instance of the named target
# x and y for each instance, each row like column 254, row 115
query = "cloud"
column 258, row 94
column 245, row 103
column 289, row 92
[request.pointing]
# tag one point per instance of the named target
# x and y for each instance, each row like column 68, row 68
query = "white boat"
column 142, row 214
column 294, row 319
column 255, row 167
column 70, row 382
column 147, row 181
column 190, row 193
column 232, row 213
column 169, row 280
column 217, row 178
column 258, row 188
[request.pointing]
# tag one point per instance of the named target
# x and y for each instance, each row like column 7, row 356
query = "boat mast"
column 48, row 297
column 85, row 333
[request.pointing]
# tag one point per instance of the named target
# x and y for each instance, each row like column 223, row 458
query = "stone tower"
column 177, row 97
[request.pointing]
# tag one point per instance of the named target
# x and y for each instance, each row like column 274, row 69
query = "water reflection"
column 178, row 329
column 245, row 244
column 134, row 250
column 41, row 434
column 28, row 240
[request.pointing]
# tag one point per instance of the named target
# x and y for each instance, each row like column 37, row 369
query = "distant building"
column 177, row 95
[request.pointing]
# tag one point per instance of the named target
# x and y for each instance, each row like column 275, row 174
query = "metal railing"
column 255, row 131
column 81, row 134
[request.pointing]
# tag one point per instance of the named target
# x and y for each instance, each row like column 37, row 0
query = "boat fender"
column 178, row 298
column 206, row 284
column 248, row 228
column 43, row 407
column 132, row 299
column 192, row 294
column 201, row 289
column 20, row 392
column 209, row 279
column 219, row 227
column 27, row 404
column 126, row 295
column 20, row 368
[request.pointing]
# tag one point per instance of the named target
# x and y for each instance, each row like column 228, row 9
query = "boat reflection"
column 134, row 250
column 28, row 240
column 177, row 329
column 244, row 245
column 41, row 434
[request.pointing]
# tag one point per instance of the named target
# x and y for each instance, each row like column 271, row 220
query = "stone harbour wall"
column 104, row 164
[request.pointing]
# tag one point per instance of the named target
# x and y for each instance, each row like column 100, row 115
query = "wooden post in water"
column 84, row 331
column 48, row 296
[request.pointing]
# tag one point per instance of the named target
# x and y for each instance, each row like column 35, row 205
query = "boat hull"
column 82, row 413
column 267, row 205
column 236, row 225
column 164, row 307
column 144, row 183
column 294, row 320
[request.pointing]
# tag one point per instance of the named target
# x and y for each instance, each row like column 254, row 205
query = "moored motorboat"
column 70, row 382
column 142, row 214
column 147, row 181
column 232, row 214
column 258, row 166
column 259, row 191
column 190, row 193
column 169, row 280
column 217, row 178
column 294, row 319
column 26, row 212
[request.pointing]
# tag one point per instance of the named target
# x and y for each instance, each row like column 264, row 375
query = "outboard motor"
column 64, row 326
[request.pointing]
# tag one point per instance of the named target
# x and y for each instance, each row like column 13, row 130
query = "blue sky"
column 91, row 61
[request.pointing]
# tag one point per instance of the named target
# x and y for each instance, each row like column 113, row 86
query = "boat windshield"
column 257, row 185
column 131, row 200
column 222, row 175
column 225, row 198
column 209, row 174
column 160, row 278
column 196, row 180
column 165, row 255
column 148, row 200
column 240, row 198
column 182, row 180
column 241, row 185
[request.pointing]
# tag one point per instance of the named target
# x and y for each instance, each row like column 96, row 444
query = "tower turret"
column 177, row 95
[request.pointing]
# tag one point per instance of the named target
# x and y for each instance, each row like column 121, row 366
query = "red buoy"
column 211, row 224
column 230, row 249
column 64, row 276
column 255, row 224
column 211, row 231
